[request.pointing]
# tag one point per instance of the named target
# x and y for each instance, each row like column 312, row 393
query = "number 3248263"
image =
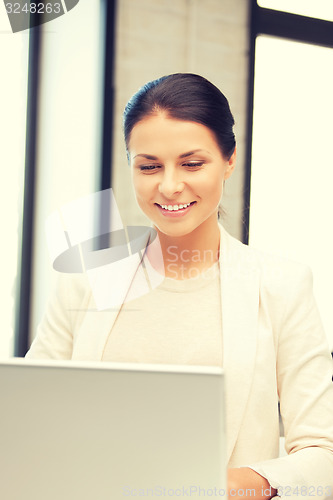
column 305, row 491
column 33, row 8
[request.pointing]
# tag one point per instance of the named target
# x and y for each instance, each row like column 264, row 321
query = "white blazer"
column 274, row 350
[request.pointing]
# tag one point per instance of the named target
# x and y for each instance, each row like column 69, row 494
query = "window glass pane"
column 321, row 9
column 13, row 99
column 292, row 163
column 68, row 156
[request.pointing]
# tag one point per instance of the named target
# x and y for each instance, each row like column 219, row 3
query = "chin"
column 175, row 231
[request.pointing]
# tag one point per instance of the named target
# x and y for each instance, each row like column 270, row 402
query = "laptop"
column 106, row 431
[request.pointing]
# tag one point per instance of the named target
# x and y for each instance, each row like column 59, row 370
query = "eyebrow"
column 183, row 155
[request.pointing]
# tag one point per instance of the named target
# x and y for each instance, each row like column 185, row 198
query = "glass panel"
column 13, row 98
column 321, row 9
column 292, row 161
column 70, row 95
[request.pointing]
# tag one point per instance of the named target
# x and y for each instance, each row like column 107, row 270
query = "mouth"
column 175, row 208
column 175, row 211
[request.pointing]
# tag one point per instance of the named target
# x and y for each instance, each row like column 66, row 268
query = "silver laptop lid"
column 107, row 431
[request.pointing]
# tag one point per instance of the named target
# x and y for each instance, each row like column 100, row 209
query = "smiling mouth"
column 175, row 208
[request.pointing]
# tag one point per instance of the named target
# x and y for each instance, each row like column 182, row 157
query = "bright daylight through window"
column 292, row 159
column 13, row 92
column 320, row 9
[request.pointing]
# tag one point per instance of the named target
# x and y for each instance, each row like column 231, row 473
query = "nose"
column 170, row 184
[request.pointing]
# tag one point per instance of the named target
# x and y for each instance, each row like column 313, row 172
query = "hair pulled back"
column 184, row 96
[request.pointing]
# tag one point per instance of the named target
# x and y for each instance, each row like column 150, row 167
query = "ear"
column 230, row 165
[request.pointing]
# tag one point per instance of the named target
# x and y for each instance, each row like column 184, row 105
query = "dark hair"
column 184, row 96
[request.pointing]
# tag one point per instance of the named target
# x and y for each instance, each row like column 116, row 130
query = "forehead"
column 158, row 134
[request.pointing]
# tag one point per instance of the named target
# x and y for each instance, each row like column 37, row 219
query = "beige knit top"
column 179, row 322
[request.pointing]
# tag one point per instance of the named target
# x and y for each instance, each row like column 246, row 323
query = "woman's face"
column 178, row 172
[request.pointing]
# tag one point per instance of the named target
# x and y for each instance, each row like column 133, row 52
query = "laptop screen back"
column 107, row 431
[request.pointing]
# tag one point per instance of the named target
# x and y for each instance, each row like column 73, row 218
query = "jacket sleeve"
column 304, row 378
column 56, row 332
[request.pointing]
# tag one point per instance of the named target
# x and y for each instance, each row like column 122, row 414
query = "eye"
column 193, row 164
column 148, row 168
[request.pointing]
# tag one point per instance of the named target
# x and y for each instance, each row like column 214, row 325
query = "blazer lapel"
column 111, row 285
column 98, row 322
column 240, row 302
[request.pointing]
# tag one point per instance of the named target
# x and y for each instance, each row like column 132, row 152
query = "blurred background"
column 65, row 83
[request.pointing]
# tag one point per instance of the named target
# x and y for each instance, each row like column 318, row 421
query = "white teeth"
column 175, row 207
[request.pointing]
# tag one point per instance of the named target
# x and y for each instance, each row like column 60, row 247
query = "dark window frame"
column 25, row 260
column 282, row 25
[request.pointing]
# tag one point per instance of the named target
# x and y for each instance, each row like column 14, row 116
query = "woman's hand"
column 244, row 483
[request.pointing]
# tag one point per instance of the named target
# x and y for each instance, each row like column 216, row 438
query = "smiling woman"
column 180, row 190
column 218, row 302
column 181, row 148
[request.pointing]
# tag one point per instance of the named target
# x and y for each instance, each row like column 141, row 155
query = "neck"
column 197, row 250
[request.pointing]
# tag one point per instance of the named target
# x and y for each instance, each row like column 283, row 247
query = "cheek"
column 212, row 190
column 142, row 188
column 137, row 185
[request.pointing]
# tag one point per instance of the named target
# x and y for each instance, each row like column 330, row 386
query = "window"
column 292, row 159
column 13, row 95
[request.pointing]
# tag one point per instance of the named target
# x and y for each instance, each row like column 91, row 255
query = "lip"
column 175, row 213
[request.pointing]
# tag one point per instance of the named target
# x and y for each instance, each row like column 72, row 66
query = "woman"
column 221, row 302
